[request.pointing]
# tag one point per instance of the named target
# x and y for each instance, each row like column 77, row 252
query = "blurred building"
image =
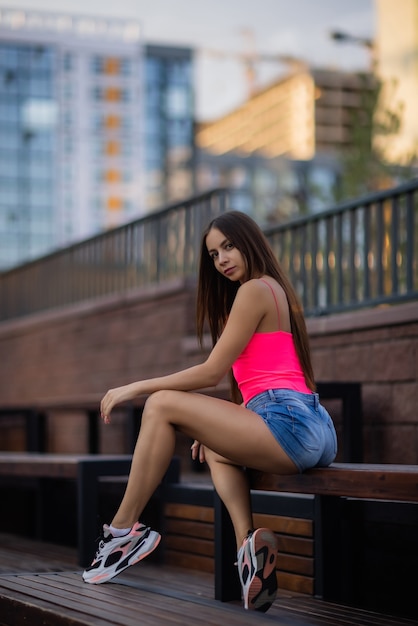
column 396, row 49
column 96, row 128
column 169, row 124
column 280, row 149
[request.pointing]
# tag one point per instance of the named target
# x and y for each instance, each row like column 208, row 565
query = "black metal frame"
column 352, row 416
column 358, row 254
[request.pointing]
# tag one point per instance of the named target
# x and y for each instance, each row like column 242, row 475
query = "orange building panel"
column 111, row 66
column 112, row 94
column 112, row 148
column 112, row 121
column 114, row 203
column 112, row 176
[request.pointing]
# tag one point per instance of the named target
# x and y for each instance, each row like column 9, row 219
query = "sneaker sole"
column 260, row 592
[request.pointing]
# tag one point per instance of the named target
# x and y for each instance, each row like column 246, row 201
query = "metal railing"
column 149, row 250
column 358, row 254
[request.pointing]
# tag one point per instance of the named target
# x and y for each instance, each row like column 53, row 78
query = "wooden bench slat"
column 189, row 528
column 194, row 562
column 295, row 545
column 342, row 613
column 189, row 511
column 382, row 482
column 285, row 525
column 189, row 545
column 158, row 595
column 34, row 465
column 295, row 564
column 295, row 582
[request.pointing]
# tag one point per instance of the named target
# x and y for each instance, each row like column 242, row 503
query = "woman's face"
column 227, row 259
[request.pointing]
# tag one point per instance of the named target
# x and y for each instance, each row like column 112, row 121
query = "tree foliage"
column 364, row 166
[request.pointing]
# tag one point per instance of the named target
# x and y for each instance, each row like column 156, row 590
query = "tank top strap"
column 274, row 296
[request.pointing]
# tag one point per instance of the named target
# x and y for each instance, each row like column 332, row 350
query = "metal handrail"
column 360, row 253
column 149, row 250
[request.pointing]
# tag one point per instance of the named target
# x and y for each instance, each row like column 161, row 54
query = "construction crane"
column 251, row 58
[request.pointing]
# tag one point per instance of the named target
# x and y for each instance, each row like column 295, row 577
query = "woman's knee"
column 213, row 457
column 209, row 456
column 164, row 405
column 158, row 403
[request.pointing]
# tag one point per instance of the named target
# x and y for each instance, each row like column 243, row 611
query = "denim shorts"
column 300, row 424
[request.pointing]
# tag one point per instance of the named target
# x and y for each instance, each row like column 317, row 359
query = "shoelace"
column 100, row 546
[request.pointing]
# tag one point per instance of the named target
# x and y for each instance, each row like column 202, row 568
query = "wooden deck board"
column 53, row 594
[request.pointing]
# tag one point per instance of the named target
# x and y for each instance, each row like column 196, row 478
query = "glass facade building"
column 28, row 114
column 96, row 129
column 169, row 132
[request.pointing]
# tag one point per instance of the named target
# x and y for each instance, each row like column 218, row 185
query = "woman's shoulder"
column 257, row 291
column 260, row 285
column 253, row 286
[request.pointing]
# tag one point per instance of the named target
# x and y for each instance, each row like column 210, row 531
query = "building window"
column 111, row 65
column 68, row 62
column 112, row 176
column 114, row 203
column 112, row 148
column 111, row 94
column 112, row 121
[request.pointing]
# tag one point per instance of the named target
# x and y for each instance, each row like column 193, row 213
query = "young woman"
column 258, row 331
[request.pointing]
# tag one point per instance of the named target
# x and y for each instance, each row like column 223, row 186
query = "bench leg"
column 89, row 472
column 227, row 584
column 353, row 427
column 35, row 431
column 335, row 548
column 93, row 419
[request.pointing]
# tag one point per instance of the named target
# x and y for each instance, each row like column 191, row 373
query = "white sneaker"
column 257, row 569
column 115, row 554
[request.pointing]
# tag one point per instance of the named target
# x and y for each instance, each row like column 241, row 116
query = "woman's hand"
column 198, row 451
column 113, row 397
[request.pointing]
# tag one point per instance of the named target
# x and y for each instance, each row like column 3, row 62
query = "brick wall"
column 81, row 351
column 379, row 348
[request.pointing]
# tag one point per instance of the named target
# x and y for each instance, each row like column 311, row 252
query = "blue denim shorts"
column 300, row 424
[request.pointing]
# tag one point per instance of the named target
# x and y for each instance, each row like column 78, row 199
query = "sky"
column 299, row 28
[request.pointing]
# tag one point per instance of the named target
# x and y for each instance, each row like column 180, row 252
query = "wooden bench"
column 148, row 594
column 35, row 418
column 86, row 470
column 333, row 489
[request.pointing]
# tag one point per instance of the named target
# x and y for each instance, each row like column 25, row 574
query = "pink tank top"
column 269, row 361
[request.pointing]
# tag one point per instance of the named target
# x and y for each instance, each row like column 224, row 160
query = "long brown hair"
column 216, row 293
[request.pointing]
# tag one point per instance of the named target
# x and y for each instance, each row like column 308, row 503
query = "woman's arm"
column 245, row 316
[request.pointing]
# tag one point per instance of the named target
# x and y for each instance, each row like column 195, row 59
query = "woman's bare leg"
column 229, row 430
column 231, row 484
column 152, row 455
